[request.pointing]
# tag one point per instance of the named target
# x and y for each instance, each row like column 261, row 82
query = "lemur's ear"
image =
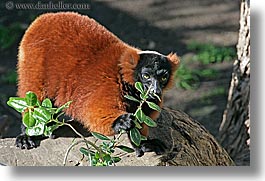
column 174, row 61
column 127, row 64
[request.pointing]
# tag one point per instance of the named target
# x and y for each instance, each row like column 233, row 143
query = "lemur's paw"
column 153, row 145
column 25, row 142
column 123, row 122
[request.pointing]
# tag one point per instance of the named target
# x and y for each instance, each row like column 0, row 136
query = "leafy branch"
column 141, row 118
column 41, row 118
column 37, row 115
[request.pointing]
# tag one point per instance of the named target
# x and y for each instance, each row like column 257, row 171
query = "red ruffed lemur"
column 67, row 56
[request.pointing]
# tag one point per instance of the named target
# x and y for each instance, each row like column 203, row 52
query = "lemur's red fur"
column 67, row 56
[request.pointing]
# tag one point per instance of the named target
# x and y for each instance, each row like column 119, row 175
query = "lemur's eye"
column 146, row 76
column 164, row 78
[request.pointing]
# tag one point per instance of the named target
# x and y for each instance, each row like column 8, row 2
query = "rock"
column 187, row 141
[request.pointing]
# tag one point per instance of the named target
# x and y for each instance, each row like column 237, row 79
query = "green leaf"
column 139, row 114
column 28, row 119
column 19, row 104
column 97, row 156
column 139, row 87
column 46, row 103
column 137, row 124
column 86, row 152
column 41, row 114
column 185, row 85
column 99, row 136
column 116, row 159
column 66, row 105
column 143, row 138
column 106, row 157
column 125, row 148
column 143, row 96
column 36, row 130
column 31, row 98
column 131, row 98
column 49, row 129
column 51, row 110
column 38, row 103
column 149, row 122
column 153, row 106
column 135, row 136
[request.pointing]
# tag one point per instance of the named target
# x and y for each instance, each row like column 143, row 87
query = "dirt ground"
column 162, row 25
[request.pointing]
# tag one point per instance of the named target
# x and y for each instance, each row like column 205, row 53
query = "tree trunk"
column 235, row 126
column 189, row 143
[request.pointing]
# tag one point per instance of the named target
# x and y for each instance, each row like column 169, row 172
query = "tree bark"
column 189, row 143
column 235, row 126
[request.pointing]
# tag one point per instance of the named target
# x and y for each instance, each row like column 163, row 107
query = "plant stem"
column 76, row 143
column 143, row 100
column 84, row 140
column 118, row 137
column 76, row 132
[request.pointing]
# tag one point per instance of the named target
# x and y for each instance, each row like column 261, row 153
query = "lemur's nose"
column 155, row 88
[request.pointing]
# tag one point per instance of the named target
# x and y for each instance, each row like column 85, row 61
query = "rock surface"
column 187, row 141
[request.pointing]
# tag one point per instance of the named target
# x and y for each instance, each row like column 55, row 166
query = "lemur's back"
column 67, row 56
column 56, row 43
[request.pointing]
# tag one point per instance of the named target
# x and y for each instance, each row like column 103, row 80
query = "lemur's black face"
column 153, row 71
